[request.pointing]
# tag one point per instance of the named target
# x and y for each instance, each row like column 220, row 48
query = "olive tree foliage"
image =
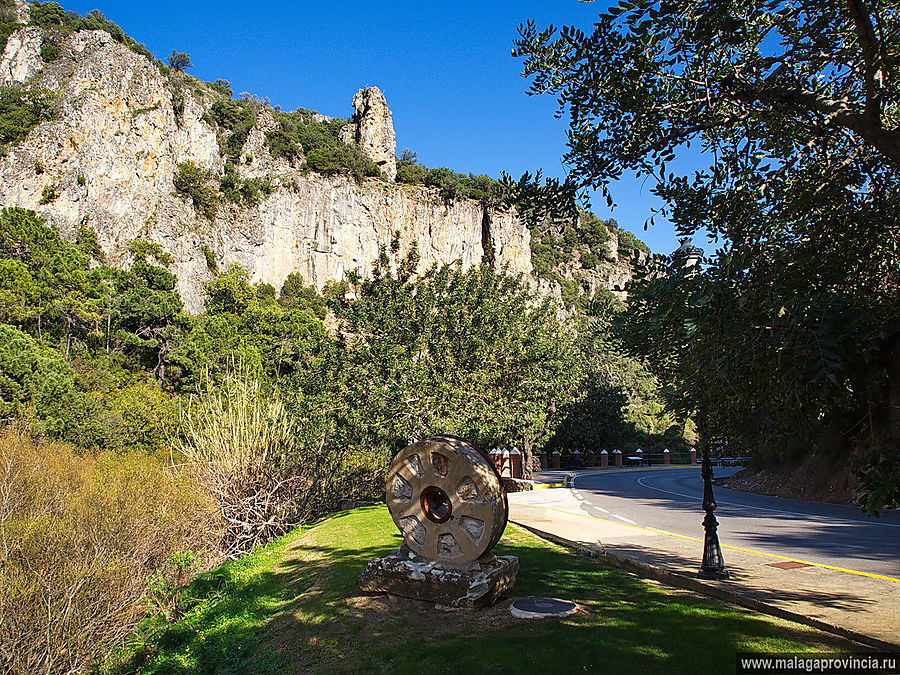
column 451, row 351
column 785, row 339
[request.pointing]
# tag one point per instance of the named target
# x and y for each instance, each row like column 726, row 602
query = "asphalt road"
column 669, row 500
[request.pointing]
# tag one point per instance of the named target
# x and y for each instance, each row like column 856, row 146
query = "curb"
column 708, row 589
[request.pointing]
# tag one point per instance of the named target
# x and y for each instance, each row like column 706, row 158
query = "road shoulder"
column 865, row 608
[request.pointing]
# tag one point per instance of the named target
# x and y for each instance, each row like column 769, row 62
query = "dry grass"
column 80, row 535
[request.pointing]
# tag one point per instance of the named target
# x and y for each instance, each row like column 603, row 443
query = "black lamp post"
column 713, row 565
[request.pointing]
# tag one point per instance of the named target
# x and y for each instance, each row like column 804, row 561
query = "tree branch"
column 838, row 113
column 870, row 54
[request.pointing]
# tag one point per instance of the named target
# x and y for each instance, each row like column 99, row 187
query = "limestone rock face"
column 373, row 129
column 120, row 129
column 22, row 57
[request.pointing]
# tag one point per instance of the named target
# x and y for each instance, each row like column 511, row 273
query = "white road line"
column 763, row 508
column 623, row 519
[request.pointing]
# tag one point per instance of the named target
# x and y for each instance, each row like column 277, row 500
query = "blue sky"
column 457, row 95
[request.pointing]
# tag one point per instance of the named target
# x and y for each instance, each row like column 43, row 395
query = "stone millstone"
column 447, row 500
column 404, row 573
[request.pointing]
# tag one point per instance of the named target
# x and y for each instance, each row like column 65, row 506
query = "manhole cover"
column 541, row 608
column 788, row 565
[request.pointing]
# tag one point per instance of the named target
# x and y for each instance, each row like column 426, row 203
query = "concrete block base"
column 478, row 584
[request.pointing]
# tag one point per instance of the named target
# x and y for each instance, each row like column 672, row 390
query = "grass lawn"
column 293, row 607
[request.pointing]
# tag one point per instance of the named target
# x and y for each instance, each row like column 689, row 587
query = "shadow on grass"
column 294, row 607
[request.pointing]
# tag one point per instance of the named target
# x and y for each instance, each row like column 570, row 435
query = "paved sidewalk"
column 863, row 607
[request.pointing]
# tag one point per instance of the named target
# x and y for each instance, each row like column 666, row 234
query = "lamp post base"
column 713, row 564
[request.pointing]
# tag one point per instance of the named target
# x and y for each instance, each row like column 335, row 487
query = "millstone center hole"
column 436, row 504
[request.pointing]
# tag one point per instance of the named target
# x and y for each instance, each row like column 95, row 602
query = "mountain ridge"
column 126, row 128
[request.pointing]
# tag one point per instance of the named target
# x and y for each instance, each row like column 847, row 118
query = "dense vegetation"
column 298, row 134
column 8, row 23
column 786, row 340
column 20, row 111
column 254, row 409
column 50, row 15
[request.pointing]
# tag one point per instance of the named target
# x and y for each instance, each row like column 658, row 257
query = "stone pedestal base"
column 402, row 572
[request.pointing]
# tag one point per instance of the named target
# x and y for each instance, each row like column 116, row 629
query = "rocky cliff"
column 122, row 128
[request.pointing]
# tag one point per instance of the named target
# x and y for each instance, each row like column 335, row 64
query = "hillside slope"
column 134, row 149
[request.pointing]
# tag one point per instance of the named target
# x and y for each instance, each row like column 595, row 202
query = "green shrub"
column 223, row 87
column 547, row 252
column 446, row 180
column 321, row 135
column 452, row 185
column 87, row 241
column 593, row 232
column 179, row 60
column 296, row 134
column 34, row 375
column 234, row 142
column 589, row 260
column 236, row 117
column 295, row 295
column 408, row 168
column 229, row 292
column 342, row 158
column 210, row 257
column 628, row 243
column 570, row 291
column 49, row 52
column 411, row 174
column 605, row 302
column 19, row 294
column 166, row 585
column 48, row 194
column 7, row 10
column 228, row 113
column 21, row 110
column 142, row 249
column 192, row 182
column 81, row 180
column 52, row 15
column 147, row 417
column 283, row 144
column 246, row 191
column 8, row 24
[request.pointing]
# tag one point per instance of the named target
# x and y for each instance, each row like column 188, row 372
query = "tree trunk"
column 527, row 454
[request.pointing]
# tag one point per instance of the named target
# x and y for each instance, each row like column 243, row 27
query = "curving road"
column 669, row 500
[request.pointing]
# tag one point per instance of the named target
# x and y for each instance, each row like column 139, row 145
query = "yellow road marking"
column 734, row 548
